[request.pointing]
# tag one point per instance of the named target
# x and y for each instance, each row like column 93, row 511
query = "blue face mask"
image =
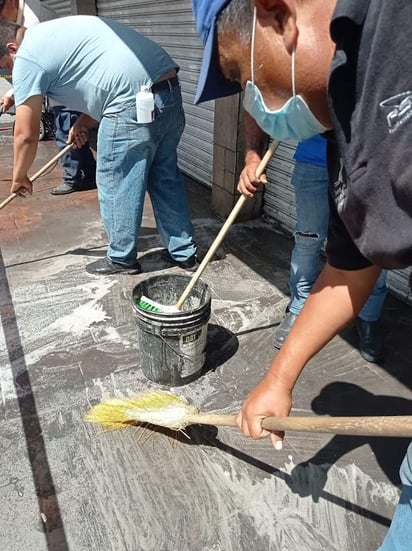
column 293, row 121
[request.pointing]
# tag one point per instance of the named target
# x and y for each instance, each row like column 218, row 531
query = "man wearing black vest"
column 341, row 68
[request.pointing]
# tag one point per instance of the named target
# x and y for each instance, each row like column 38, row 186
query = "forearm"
column 336, row 298
column 79, row 132
column 24, row 149
column 255, row 139
column 26, row 137
column 87, row 121
column 255, row 146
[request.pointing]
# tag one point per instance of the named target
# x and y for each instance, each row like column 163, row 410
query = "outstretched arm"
column 26, row 139
column 336, row 298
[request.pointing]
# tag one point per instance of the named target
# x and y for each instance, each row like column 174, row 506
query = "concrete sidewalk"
column 69, row 340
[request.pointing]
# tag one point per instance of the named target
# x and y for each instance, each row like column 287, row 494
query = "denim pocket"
column 124, row 128
column 170, row 116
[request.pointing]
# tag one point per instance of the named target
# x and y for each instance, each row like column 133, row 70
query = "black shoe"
column 63, row 189
column 190, row 265
column 104, row 266
column 370, row 340
column 284, row 329
column 85, row 186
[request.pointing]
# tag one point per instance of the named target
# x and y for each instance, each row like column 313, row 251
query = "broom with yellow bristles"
column 169, row 411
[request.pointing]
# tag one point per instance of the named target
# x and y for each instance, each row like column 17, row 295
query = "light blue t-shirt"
column 90, row 64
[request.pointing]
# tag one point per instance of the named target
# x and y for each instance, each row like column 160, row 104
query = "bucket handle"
column 181, row 355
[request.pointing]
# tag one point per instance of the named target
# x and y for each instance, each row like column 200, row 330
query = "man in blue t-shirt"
column 310, row 182
column 79, row 166
column 96, row 66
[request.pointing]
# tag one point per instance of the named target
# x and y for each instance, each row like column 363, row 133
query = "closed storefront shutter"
column 61, row 7
column 170, row 24
column 279, row 209
column 398, row 283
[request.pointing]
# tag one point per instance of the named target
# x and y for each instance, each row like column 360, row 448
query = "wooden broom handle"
column 225, row 228
column 391, row 425
column 39, row 173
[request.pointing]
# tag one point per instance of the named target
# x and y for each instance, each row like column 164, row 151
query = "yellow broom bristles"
column 156, row 408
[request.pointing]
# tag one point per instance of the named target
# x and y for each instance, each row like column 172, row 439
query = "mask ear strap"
column 252, row 48
column 293, row 73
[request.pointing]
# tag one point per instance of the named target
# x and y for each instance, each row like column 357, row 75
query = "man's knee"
column 309, row 240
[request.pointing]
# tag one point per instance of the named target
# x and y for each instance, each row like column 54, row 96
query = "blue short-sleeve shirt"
column 90, row 64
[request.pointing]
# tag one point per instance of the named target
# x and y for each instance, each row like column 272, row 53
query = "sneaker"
column 370, row 340
column 190, row 265
column 104, row 266
column 66, row 188
column 283, row 329
column 63, row 189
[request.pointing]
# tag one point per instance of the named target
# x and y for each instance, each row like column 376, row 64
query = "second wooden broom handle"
column 39, row 172
column 389, row 425
column 225, row 228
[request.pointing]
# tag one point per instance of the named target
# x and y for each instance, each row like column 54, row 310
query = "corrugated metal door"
column 61, row 7
column 398, row 283
column 279, row 209
column 170, row 24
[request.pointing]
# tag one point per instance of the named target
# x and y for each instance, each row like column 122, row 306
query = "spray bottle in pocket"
column 144, row 105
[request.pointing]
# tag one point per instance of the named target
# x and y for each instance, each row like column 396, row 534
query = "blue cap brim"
column 212, row 84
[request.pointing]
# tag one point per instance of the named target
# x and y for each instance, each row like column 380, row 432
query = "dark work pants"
column 79, row 166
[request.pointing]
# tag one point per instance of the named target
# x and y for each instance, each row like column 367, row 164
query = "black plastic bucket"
column 172, row 345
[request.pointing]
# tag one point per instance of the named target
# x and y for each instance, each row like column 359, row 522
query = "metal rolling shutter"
column 398, row 283
column 279, row 209
column 61, row 7
column 170, row 24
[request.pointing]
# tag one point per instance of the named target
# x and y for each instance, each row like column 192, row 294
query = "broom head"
column 156, row 408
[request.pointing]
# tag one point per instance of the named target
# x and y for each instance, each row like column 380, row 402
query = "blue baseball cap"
column 212, row 84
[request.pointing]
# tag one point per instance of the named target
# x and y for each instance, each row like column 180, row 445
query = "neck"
column 20, row 35
column 10, row 11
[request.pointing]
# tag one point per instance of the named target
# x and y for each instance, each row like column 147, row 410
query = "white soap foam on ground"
column 290, row 521
column 64, row 309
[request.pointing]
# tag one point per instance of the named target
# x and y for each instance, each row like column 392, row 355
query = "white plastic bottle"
column 144, row 105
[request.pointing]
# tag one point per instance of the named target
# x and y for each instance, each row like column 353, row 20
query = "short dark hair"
column 2, row 2
column 8, row 31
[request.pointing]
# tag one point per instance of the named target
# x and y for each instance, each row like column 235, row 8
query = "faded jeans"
column 399, row 535
column 133, row 158
column 312, row 209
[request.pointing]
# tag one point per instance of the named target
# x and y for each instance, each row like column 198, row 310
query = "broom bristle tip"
column 157, row 408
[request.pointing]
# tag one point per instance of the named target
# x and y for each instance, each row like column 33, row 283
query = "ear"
column 12, row 47
column 281, row 16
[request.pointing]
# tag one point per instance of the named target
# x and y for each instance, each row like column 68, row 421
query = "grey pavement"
column 69, row 340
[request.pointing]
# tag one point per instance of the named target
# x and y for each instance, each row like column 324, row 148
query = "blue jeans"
column 312, row 210
column 399, row 535
column 79, row 166
column 133, row 158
